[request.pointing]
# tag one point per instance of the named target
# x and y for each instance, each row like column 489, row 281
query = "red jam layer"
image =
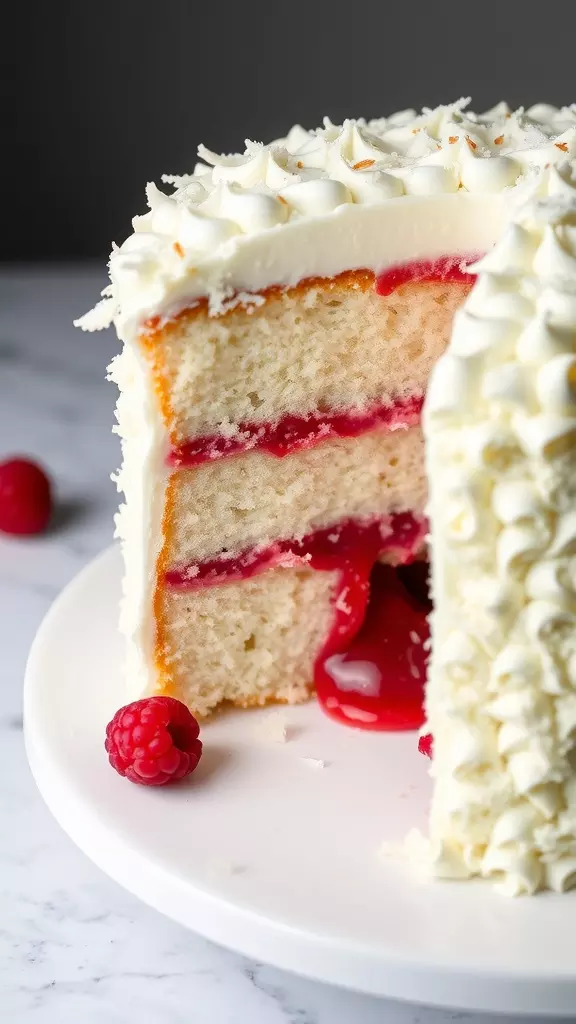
column 444, row 269
column 296, row 433
column 371, row 670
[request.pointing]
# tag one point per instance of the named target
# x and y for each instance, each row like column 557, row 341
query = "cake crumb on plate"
column 314, row 762
column 274, row 728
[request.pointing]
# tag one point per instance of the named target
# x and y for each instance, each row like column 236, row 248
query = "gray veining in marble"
column 74, row 947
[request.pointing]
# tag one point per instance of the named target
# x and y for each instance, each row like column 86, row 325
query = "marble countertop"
column 74, row 947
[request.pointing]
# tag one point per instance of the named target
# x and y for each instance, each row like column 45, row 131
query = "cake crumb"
column 274, row 728
column 314, row 762
column 219, row 867
column 341, row 603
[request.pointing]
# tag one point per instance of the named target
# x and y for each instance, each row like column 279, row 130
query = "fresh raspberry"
column 25, row 497
column 153, row 741
column 426, row 745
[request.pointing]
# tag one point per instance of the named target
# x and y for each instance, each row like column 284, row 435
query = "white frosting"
column 297, row 207
column 142, row 479
column 500, row 428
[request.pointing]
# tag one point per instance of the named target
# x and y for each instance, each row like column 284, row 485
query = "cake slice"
column 281, row 312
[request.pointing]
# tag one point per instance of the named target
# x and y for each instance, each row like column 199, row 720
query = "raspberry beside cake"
column 281, row 312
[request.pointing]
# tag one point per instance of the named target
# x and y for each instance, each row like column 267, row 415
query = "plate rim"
column 248, row 932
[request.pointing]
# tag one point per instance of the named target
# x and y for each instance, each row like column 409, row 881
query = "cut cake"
column 281, row 313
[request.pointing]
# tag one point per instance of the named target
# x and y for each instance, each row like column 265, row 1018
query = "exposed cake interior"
column 294, row 464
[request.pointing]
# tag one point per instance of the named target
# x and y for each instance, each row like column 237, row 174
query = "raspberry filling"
column 371, row 670
column 296, row 433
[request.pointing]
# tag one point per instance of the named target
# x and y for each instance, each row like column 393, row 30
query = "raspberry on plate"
column 153, row 741
column 25, row 497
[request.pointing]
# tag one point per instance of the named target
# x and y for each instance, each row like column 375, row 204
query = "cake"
column 281, row 312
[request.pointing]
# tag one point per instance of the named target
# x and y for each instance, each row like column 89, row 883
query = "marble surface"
column 74, row 947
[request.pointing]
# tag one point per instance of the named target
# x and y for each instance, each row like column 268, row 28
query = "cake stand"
column 271, row 853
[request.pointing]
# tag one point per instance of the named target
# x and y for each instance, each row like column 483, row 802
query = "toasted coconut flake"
column 562, row 145
column 416, row 130
column 471, row 143
column 362, row 164
column 299, row 164
column 499, row 140
column 178, row 249
column 282, row 200
column 452, row 139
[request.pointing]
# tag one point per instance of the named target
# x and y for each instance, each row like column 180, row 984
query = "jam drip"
column 296, row 433
column 371, row 670
column 375, row 678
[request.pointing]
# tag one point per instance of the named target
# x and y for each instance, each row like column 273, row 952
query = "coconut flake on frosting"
column 501, row 465
column 186, row 244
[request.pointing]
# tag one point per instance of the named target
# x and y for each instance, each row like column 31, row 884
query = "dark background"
column 105, row 96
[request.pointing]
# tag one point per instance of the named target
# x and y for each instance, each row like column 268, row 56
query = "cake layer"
column 254, row 499
column 249, row 642
column 328, row 345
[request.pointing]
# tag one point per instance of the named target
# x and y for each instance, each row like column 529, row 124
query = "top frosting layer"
column 187, row 241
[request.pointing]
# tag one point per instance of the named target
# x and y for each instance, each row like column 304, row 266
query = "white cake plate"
column 268, row 854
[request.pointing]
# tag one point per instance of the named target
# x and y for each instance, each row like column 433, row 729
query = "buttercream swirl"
column 311, row 174
column 500, row 428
